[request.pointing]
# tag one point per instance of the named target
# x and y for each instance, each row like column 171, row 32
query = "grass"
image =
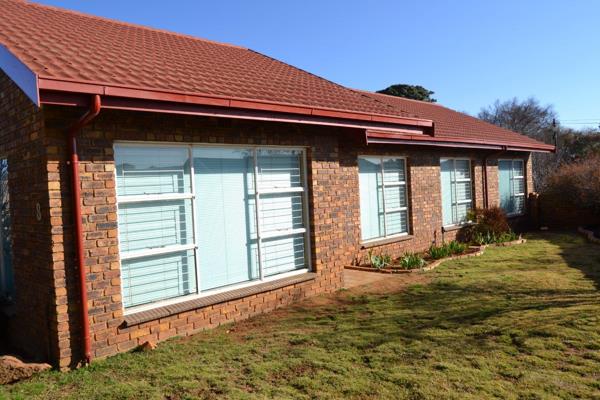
column 520, row 322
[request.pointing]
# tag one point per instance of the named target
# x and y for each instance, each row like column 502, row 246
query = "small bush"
column 456, row 247
column 437, row 252
column 378, row 261
column 412, row 261
column 508, row 237
column 489, row 225
column 447, row 250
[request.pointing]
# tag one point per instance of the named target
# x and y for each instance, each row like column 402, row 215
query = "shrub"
column 446, row 250
column 437, row 252
column 456, row 247
column 378, row 261
column 412, row 261
column 489, row 225
column 577, row 184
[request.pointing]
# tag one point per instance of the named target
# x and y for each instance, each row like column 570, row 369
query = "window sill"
column 381, row 242
column 515, row 216
column 165, row 311
column 451, row 228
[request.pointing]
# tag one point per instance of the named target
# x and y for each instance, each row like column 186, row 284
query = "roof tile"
column 66, row 45
column 61, row 44
column 453, row 124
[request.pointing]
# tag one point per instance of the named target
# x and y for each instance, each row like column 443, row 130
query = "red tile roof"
column 69, row 48
column 452, row 124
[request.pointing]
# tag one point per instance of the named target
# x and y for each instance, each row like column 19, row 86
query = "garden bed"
column 471, row 251
column 591, row 232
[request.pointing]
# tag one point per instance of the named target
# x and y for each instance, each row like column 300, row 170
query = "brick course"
column 334, row 215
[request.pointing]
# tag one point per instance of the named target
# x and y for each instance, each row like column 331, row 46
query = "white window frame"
column 391, row 184
column 177, row 196
column 512, row 187
column 453, row 202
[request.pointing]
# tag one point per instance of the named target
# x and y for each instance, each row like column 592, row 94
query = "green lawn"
column 520, row 322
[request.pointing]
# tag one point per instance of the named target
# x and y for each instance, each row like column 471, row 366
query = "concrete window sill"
column 381, row 242
column 166, row 311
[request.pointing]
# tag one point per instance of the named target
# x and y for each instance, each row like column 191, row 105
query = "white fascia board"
column 20, row 74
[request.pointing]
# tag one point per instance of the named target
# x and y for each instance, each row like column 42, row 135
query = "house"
column 158, row 184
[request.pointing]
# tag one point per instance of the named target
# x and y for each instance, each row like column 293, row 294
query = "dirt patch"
column 391, row 284
column 12, row 369
column 327, row 302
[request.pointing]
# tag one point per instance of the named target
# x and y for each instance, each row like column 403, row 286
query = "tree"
column 530, row 118
column 415, row 92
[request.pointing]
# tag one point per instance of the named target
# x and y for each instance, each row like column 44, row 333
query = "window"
column 194, row 219
column 383, row 197
column 6, row 272
column 457, row 197
column 511, row 186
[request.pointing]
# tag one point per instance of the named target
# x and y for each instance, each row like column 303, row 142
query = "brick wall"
column 334, row 206
column 22, row 142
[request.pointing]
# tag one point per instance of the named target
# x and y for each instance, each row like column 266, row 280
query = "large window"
column 195, row 219
column 383, row 197
column 511, row 185
column 7, row 288
column 457, row 196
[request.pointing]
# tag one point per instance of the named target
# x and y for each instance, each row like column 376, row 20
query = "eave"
column 51, row 91
column 390, row 138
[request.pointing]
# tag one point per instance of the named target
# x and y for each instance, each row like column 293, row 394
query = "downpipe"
column 74, row 131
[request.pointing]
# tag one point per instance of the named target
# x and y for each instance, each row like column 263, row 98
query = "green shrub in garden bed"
column 446, row 250
column 411, row 261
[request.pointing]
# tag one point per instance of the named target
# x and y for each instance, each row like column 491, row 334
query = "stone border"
column 478, row 251
column 506, row 244
column 589, row 235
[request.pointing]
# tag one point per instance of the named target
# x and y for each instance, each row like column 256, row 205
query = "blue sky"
column 469, row 52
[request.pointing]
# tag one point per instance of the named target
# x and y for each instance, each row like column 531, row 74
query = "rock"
column 147, row 346
column 12, row 369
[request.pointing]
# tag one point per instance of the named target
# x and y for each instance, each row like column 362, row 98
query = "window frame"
column 511, row 184
column 404, row 183
column 192, row 195
column 453, row 204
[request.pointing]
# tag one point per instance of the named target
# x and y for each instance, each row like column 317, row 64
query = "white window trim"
column 453, row 181
column 192, row 195
column 385, row 184
column 511, row 183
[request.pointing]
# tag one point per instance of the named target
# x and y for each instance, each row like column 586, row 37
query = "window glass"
column 227, row 242
column 159, row 277
column 7, row 287
column 457, row 191
column 218, row 230
column 152, row 170
column 383, row 197
column 511, row 186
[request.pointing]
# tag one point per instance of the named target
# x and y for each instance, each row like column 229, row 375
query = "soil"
column 12, row 369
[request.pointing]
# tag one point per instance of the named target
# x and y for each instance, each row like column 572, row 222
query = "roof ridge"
column 124, row 23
